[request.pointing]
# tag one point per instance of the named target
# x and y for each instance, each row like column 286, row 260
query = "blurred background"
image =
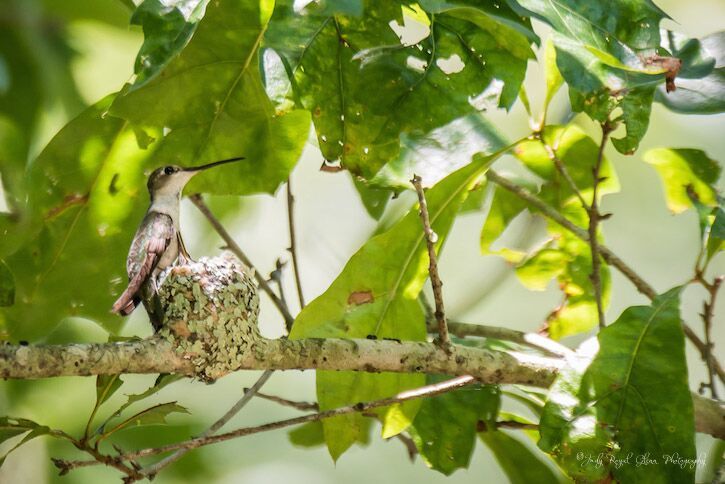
column 74, row 52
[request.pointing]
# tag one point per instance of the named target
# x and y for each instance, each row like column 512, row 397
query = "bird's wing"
column 144, row 255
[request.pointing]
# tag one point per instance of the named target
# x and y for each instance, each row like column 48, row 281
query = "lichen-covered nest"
column 210, row 310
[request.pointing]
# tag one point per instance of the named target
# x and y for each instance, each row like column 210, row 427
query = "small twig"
column 234, row 247
column 531, row 340
column 424, row 391
column 248, row 395
column 594, row 218
column 293, row 243
column 304, row 406
column 561, row 168
column 307, row 406
column 606, row 254
column 435, row 280
column 708, row 311
column 276, row 276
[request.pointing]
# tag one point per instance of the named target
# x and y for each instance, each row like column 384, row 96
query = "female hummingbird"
column 157, row 243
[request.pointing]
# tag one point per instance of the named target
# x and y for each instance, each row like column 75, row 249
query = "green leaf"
column 168, row 27
column 444, row 431
column 161, row 381
column 637, row 388
column 307, row 435
column 705, row 95
column 106, row 386
column 10, row 427
column 578, row 153
column 437, row 154
column 520, row 463
column 553, row 76
column 601, row 51
column 155, row 415
column 681, row 168
column 463, row 63
column 209, row 103
column 568, row 425
column 505, row 207
column 7, row 285
column 88, row 197
column 374, row 199
column 377, row 294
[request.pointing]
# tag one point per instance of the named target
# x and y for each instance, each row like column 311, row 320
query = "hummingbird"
column 158, row 243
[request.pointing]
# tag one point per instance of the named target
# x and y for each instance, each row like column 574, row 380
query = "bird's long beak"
column 196, row 169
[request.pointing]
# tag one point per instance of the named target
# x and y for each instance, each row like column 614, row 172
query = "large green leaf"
column 155, row 415
column 7, row 286
column 88, row 196
column 638, row 389
column 209, row 103
column 168, row 27
column 335, row 57
column 683, row 170
column 376, row 294
column 444, row 431
column 695, row 95
column 600, row 51
column 519, row 462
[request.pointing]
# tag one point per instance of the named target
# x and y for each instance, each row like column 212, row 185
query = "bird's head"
column 170, row 180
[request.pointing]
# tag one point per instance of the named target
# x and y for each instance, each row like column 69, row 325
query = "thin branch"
column 248, row 395
column 594, row 218
column 422, row 392
column 708, row 312
column 293, row 243
column 606, row 254
column 531, row 340
column 304, row 406
column 561, row 168
column 435, row 280
column 234, row 247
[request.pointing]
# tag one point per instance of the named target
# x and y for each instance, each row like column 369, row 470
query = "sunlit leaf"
column 683, row 169
column 88, row 197
column 391, row 269
column 209, row 104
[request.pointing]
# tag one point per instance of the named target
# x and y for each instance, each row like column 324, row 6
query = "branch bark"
column 210, row 331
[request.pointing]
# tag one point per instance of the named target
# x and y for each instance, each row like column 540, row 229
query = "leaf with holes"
column 463, row 63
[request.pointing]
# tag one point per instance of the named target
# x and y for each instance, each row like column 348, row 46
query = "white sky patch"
column 299, row 5
column 488, row 99
column 416, row 64
column 451, row 65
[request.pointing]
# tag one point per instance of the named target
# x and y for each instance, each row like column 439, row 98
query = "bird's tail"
column 125, row 304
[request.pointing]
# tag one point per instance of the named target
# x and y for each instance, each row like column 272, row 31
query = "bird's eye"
column 169, row 170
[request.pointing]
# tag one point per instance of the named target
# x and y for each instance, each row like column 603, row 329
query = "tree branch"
column 435, row 280
column 594, row 217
